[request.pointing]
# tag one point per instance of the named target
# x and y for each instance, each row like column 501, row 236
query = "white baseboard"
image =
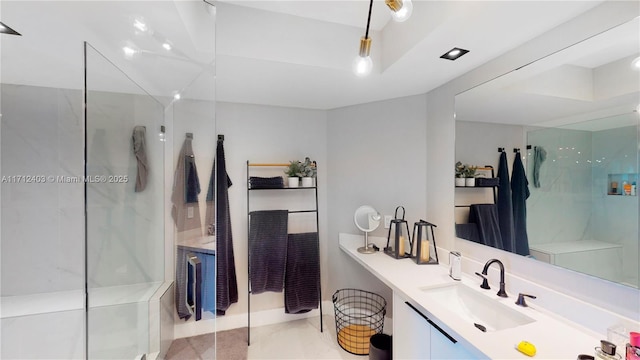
column 209, row 323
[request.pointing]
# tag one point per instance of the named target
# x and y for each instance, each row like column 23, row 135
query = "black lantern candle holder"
column 424, row 250
column 398, row 238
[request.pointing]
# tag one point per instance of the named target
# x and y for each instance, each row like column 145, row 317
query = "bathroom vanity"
column 434, row 315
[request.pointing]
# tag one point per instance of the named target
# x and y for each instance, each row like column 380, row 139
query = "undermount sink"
column 475, row 307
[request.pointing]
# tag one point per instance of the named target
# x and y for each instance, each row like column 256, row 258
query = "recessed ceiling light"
column 140, row 25
column 454, row 53
column 167, row 46
column 177, row 96
column 4, row 29
column 128, row 51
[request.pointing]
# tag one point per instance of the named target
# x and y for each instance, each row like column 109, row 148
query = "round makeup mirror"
column 366, row 219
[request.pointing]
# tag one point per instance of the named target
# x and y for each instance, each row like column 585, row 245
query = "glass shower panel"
column 124, row 209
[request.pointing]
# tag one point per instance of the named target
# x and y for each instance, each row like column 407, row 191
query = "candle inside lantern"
column 424, row 250
column 401, row 246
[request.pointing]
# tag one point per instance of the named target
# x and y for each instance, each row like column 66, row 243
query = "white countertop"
column 553, row 337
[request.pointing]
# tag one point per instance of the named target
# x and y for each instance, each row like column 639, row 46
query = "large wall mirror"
column 572, row 117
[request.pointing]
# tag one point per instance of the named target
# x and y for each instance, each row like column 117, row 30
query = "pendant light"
column 400, row 9
column 362, row 65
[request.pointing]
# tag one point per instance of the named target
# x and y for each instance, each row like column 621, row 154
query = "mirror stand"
column 367, row 248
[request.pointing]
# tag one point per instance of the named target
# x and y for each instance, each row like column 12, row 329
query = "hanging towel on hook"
column 505, row 208
column 185, row 214
column 226, row 282
column 140, row 151
column 539, row 156
column 519, row 195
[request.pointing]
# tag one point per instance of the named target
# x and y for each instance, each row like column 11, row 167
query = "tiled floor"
column 299, row 339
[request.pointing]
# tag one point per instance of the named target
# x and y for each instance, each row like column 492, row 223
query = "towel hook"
column 500, row 149
column 516, row 150
column 220, row 138
column 189, row 135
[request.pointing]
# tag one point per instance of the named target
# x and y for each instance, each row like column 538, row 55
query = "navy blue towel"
column 505, row 209
column 191, row 181
column 226, row 281
column 485, row 216
column 267, row 250
column 302, row 279
column 519, row 195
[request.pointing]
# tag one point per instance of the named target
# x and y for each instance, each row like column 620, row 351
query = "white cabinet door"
column 411, row 332
column 416, row 337
column 444, row 346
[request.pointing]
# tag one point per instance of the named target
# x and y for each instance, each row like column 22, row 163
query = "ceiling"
column 282, row 53
column 593, row 79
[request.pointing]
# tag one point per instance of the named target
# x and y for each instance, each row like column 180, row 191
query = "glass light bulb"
column 362, row 65
column 404, row 12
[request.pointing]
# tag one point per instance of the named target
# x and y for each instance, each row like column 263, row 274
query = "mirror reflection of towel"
column 539, row 156
column 485, row 216
column 140, row 151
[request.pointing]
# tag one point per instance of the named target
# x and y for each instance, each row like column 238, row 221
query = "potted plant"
column 294, row 171
column 308, row 170
column 470, row 175
column 460, row 174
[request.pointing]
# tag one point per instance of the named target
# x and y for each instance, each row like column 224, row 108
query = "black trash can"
column 380, row 347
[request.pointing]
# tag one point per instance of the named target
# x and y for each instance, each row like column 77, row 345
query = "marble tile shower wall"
column 565, row 187
column 574, row 186
column 615, row 218
column 42, row 223
column 124, row 227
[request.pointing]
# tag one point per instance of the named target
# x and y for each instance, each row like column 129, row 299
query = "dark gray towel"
column 485, row 216
column 519, row 195
column 267, row 250
column 468, row 231
column 505, row 209
column 266, row 183
column 302, row 279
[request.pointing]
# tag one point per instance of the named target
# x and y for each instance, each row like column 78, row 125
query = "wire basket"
column 359, row 315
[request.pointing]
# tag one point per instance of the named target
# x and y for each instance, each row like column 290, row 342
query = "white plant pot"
column 460, row 181
column 293, row 182
column 470, row 182
column 307, row 182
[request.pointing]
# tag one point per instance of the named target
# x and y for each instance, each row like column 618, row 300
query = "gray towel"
column 539, row 156
column 180, row 291
column 302, row 278
column 267, row 250
column 140, row 151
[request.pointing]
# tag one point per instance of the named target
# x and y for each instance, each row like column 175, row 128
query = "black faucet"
column 485, row 283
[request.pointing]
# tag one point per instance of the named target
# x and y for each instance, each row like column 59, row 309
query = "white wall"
column 376, row 153
column 267, row 134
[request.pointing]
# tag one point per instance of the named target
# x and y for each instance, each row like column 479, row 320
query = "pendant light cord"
column 366, row 34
